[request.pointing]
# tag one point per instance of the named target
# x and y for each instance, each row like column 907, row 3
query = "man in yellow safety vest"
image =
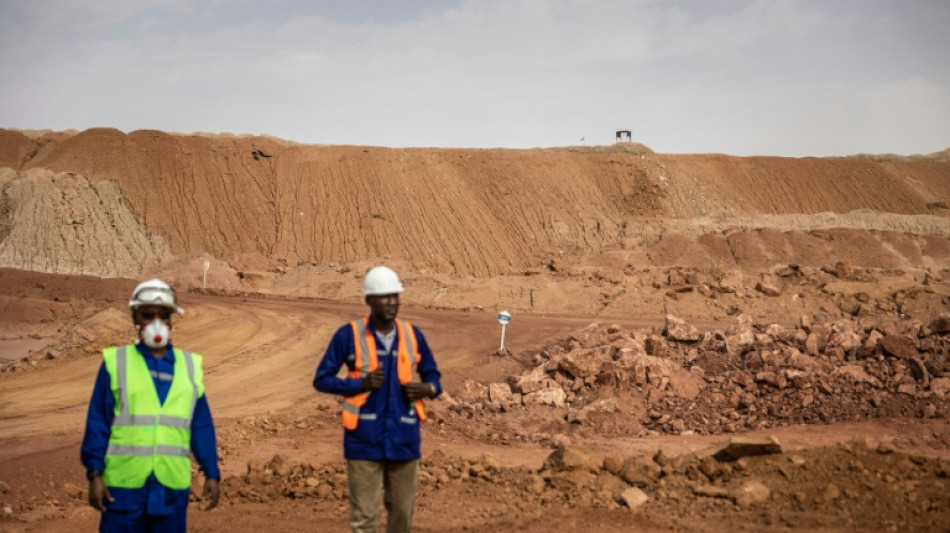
column 147, row 415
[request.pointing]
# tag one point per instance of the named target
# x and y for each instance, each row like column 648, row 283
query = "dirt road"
column 260, row 356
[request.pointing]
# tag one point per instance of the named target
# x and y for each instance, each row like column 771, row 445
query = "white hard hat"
column 155, row 292
column 381, row 280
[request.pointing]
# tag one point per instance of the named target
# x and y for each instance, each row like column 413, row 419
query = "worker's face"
column 148, row 313
column 384, row 307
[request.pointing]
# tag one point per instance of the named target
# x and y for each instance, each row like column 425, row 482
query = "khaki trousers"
column 367, row 479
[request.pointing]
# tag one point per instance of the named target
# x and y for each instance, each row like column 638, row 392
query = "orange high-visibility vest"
column 365, row 361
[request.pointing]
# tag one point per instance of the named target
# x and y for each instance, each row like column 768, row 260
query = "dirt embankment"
column 455, row 212
column 814, row 293
column 65, row 224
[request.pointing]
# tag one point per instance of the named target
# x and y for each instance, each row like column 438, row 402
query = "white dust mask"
column 156, row 334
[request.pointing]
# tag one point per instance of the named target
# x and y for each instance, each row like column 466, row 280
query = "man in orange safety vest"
column 390, row 371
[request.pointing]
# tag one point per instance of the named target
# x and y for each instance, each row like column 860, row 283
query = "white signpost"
column 504, row 317
column 204, row 277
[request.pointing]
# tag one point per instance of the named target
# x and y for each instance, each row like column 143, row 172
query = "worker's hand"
column 211, row 492
column 99, row 494
column 373, row 380
column 417, row 391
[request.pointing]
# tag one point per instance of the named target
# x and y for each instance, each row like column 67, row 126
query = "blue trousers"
column 140, row 522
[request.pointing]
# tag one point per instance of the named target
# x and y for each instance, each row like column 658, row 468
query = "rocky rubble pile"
column 748, row 376
column 800, row 281
column 51, row 500
column 859, row 485
column 277, row 478
column 821, row 487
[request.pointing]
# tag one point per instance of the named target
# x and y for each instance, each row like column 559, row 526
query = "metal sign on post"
column 504, row 317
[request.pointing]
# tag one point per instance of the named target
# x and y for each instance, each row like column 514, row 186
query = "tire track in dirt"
column 259, row 357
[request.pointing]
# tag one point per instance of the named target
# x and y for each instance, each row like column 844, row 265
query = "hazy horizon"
column 767, row 77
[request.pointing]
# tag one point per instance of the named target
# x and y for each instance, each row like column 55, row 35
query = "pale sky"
column 762, row 77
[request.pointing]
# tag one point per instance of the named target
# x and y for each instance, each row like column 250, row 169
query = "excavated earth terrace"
column 698, row 342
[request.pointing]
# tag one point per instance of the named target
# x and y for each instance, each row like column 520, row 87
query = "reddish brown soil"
column 264, row 409
column 818, row 290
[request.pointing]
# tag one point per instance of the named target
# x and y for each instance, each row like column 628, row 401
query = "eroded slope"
column 481, row 212
column 64, row 224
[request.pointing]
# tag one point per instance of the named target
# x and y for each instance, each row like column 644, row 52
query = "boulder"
column 654, row 346
column 801, row 361
column 472, row 391
column 610, row 487
column 571, row 480
column 634, row 498
column 751, row 493
column 738, row 447
column 499, row 392
column 774, row 379
column 798, row 378
column 857, row 374
column 919, row 371
column 740, row 343
column 655, row 369
column 940, row 386
column 527, row 383
column 641, row 471
column 849, row 306
column 831, row 493
column 767, row 289
column 870, row 345
column 584, row 363
column 443, row 400
column 685, row 384
column 605, row 405
column 742, row 324
column 900, row 346
column 806, row 322
column 553, row 396
column 821, row 334
column 279, row 465
column 679, row 330
column 910, row 389
column 847, row 339
column 613, row 464
column 572, row 457
column 811, row 345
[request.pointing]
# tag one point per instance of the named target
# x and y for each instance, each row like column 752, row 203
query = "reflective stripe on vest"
column 147, row 435
column 366, row 360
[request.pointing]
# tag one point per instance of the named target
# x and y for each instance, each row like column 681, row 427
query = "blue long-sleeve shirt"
column 154, row 497
column 388, row 428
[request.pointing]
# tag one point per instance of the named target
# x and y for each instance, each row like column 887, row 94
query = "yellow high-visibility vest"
column 147, row 435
